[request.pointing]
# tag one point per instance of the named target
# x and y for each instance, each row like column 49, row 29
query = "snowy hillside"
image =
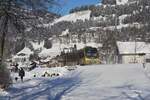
column 82, row 15
column 130, row 18
column 95, row 82
column 121, row 2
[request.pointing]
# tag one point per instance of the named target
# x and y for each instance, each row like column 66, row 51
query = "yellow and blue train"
column 86, row 56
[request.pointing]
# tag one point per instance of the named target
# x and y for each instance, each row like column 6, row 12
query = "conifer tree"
column 13, row 13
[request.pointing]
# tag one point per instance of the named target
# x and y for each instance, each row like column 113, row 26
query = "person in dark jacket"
column 16, row 67
column 21, row 73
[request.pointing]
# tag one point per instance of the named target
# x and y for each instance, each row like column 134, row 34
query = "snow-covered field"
column 95, row 82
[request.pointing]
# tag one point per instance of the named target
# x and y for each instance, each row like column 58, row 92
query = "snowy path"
column 112, row 82
column 43, row 88
column 97, row 82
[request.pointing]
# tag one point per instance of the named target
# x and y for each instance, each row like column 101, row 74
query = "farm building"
column 22, row 57
column 133, row 52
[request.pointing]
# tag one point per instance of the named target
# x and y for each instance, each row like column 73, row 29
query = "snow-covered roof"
column 64, row 33
column 93, row 44
column 133, row 47
column 25, row 51
column 37, row 45
column 121, row 2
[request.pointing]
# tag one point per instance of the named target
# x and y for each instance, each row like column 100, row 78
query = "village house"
column 22, row 57
column 133, row 52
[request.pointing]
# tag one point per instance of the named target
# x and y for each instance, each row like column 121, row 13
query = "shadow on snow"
column 47, row 89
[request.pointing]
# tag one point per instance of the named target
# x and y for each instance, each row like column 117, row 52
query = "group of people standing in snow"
column 21, row 72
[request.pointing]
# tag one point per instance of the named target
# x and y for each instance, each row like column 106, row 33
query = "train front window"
column 92, row 52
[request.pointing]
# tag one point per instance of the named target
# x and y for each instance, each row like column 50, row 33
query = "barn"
column 22, row 57
column 133, row 52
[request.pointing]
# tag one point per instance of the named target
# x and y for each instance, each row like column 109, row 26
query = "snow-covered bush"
column 5, row 79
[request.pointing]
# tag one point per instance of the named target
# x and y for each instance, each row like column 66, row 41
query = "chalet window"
column 141, row 54
column 147, row 60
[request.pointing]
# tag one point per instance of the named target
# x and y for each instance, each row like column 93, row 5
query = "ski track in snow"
column 45, row 89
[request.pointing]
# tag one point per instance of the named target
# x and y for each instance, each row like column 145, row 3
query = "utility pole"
column 115, row 36
column 135, row 50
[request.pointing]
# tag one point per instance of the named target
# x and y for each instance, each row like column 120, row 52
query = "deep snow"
column 95, row 82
